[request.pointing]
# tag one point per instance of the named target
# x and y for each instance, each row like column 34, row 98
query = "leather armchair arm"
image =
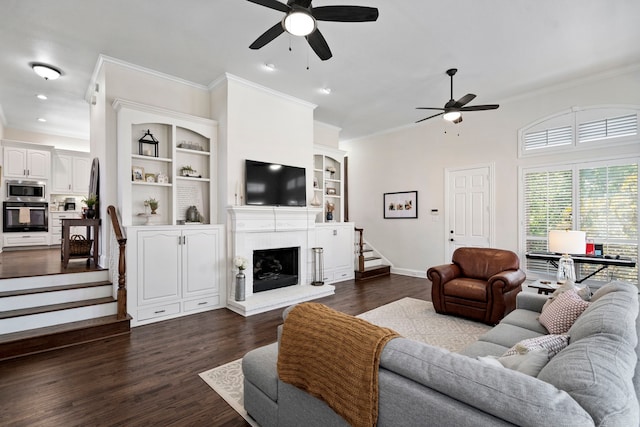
column 441, row 274
column 507, row 280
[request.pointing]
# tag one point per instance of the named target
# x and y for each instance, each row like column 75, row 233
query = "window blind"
column 548, row 138
column 608, row 128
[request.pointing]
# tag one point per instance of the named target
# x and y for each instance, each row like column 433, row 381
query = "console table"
column 92, row 232
column 602, row 262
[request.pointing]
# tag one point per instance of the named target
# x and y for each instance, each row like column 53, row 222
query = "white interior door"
column 470, row 205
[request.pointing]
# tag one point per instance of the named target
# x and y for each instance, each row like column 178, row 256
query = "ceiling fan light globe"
column 299, row 23
column 452, row 116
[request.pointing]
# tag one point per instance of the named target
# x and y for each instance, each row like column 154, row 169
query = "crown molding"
column 104, row 59
column 230, row 77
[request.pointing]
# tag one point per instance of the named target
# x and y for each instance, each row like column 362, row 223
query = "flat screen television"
column 272, row 184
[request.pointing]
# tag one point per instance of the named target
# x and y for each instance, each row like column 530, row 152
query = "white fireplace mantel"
column 270, row 227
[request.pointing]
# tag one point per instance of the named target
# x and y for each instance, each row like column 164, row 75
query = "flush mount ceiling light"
column 299, row 23
column 45, row 71
column 42, row 120
column 42, row 96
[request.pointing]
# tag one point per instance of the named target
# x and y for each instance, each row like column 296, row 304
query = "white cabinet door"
column 38, row 164
column 15, row 162
column 199, row 262
column 159, row 267
column 81, row 168
column 337, row 242
column 25, row 163
column 62, row 173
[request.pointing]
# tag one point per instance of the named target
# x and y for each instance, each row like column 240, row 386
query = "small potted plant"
column 187, row 171
column 90, row 201
column 153, row 204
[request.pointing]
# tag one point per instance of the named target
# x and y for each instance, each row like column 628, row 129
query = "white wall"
column 265, row 126
column 324, row 134
column 59, row 142
column 415, row 158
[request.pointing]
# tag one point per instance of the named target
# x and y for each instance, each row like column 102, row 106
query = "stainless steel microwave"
column 26, row 191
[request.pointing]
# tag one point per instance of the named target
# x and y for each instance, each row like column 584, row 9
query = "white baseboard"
column 408, row 272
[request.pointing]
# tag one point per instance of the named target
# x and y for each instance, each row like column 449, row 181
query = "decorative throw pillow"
column 558, row 316
column 584, row 292
column 530, row 363
column 551, row 343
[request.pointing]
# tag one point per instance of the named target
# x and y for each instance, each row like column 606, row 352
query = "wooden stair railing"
column 360, row 231
column 122, row 270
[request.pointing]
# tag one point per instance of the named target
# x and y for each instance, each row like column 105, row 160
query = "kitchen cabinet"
column 20, row 162
column 55, row 225
column 70, row 173
column 337, row 243
column 177, row 271
column 39, row 238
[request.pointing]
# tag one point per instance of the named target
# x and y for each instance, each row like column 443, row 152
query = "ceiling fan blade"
column 464, row 100
column 430, row 117
column 272, row 4
column 345, row 13
column 429, row 108
column 267, row 36
column 480, row 107
column 319, row 45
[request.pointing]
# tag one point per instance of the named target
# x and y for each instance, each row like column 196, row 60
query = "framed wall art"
column 403, row 204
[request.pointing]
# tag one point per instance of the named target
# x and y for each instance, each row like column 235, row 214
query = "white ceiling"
column 379, row 72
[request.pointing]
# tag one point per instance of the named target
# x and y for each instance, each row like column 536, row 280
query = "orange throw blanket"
column 334, row 357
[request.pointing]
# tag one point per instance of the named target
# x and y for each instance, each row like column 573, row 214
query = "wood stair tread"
column 65, row 327
column 373, row 271
column 32, row 291
column 371, row 258
column 55, row 307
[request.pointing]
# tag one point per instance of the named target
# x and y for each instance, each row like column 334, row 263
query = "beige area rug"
column 412, row 318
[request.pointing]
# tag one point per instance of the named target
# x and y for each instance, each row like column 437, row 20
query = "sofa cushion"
column 503, row 393
column 551, row 343
column 529, row 363
column 508, row 335
column 597, row 372
column 558, row 316
column 610, row 312
column 483, row 348
column 526, row 319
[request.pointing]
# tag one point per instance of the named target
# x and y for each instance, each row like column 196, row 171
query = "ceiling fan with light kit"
column 452, row 110
column 301, row 20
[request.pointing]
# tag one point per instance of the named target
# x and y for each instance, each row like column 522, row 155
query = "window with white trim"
column 605, row 197
column 580, row 128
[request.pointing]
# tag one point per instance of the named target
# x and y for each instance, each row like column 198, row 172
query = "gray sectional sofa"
column 593, row 381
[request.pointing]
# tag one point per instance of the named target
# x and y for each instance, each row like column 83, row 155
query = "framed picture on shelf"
column 137, row 173
column 403, row 204
column 150, row 177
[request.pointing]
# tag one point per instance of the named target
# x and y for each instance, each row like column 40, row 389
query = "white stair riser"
column 373, row 263
column 23, row 323
column 22, row 283
column 57, row 297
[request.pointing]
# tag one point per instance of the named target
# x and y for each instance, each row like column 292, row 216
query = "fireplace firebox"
column 275, row 268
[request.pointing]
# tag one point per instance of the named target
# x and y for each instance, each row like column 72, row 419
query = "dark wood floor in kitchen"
column 150, row 377
column 38, row 262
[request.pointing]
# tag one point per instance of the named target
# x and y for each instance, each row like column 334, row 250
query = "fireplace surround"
column 265, row 228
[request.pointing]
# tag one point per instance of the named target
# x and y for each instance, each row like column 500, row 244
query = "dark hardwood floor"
column 150, row 377
column 38, row 262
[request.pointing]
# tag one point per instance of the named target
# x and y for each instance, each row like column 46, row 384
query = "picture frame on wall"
column 402, row 204
column 137, row 174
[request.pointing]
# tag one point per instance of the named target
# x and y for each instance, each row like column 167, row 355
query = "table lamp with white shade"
column 567, row 242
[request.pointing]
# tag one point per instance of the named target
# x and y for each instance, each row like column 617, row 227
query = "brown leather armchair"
column 479, row 284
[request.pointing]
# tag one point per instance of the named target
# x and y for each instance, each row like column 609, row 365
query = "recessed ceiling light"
column 269, row 67
column 40, row 119
column 326, row 90
column 42, row 96
column 45, row 71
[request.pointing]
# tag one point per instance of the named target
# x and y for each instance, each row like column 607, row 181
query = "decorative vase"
column 154, row 208
column 315, row 201
column 90, row 213
column 240, row 286
column 329, row 216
